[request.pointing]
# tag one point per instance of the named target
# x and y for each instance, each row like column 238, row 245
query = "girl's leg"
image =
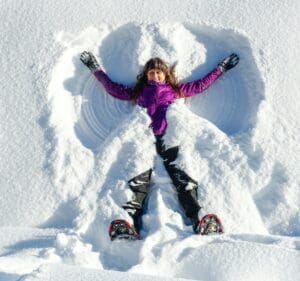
column 140, row 187
column 184, row 184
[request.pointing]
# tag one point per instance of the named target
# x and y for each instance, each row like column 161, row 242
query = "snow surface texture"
column 239, row 139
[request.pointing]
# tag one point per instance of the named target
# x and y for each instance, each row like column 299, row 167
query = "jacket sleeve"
column 192, row 88
column 116, row 90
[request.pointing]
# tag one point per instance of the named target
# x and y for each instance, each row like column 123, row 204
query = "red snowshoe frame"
column 121, row 229
column 208, row 219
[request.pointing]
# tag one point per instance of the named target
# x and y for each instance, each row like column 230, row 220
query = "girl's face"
column 156, row 75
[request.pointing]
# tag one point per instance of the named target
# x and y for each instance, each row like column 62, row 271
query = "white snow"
column 67, row 148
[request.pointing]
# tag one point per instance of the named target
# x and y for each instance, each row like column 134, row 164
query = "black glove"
column 229, row 62
column 89, row 60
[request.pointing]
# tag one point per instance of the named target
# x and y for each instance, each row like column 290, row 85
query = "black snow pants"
column 140, row 186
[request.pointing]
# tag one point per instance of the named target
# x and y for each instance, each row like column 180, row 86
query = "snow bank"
column 63, row 272
column 230, row 258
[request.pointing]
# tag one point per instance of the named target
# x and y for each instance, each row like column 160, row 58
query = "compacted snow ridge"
column 68, row 148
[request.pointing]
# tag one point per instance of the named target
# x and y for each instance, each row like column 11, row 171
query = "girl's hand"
column 89, row 60
column 229, row 62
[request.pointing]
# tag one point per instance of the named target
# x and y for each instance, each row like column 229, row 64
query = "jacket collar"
column 155, row 83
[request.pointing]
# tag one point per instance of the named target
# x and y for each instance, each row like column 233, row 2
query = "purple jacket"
column 156, row 96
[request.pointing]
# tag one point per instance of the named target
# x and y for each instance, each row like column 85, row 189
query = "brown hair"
column 156, row 63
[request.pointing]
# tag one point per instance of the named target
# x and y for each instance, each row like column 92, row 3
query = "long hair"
column 156, row 63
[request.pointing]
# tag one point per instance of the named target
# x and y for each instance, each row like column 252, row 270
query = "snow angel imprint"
column 156, row 89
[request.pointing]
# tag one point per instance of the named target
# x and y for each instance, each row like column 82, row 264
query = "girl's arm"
column 118, row 91
column 192, row 88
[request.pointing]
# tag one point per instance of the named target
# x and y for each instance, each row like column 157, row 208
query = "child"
column 156, row 88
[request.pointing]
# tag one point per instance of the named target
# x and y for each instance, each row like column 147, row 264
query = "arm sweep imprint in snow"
column 232, row 103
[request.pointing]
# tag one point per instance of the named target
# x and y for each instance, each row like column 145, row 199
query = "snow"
column 63, row 272
column 67, row 148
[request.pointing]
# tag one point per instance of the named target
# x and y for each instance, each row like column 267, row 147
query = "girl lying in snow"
column 156, row 88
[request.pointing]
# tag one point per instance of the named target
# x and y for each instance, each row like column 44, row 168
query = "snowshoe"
column 121, row 229
column 210, row 224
